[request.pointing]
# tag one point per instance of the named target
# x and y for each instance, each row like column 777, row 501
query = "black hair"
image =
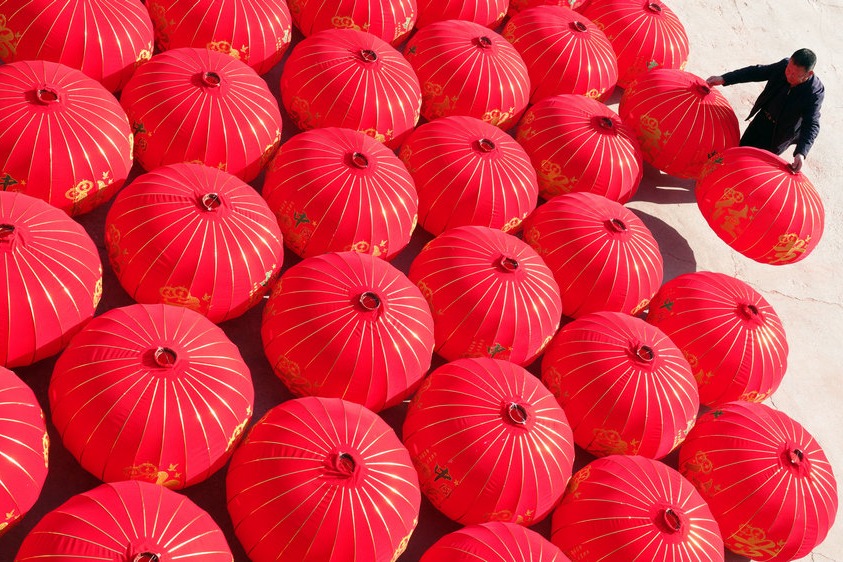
column 804, row 58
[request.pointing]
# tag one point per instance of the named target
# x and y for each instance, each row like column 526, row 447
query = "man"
column 788, row 109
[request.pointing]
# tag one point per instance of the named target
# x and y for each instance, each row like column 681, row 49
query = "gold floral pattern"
column 639, row 307
column 402, row 546
column 752, row 542
column 8, row 40
column 302, row 115
column 609, row 442
column 574, row 484
column 507, row 515
column 149, row 472
column 238, row 431
column 732, row 213
column 347, row 22
column 652, row 137
column 513, row 224
column 497, row 117
column 116, row 254
column 226, row 48
column 180, row 296
column 377, row 135
column 553, row 181
column 158, row 15
column 45, row 446
column 98, row 290
column 789, row 247
column 144, row 55
column 9, row 183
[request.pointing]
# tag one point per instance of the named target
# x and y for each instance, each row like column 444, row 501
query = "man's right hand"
column 715, row 81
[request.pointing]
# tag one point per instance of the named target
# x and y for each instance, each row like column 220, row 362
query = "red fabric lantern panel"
column 351, row 326
column 322, row 479
column 601, row 254
column 565, row 53
column 494, row 542
column 351, row 79
column 391, row 20
column 202, row 106
column 105, row 39
column 490, row 293
column 50, row 279
column 757, row 204
column 47, row 108
column 625, row 387
column 335, row 190
column 766, row 479
column 578, row 144
column 151, row 392
column 517, row 6
column 467, row 69
column 679, row 120
column 625, row 507
column 489, row 442
column 488, row 13
column 468, row 172
column 732, row 337
column 645, row 34
column 134, row 521
column 24, row 449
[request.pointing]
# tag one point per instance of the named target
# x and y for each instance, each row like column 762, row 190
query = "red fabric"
column 335, row 190
column 468, row 172
column 517, row 6
column 489, row 442
column 755, row 203
column 488, row 13
column 729, row 333
column 322, row 480
column 151, row 392
column 765, row 478
column 493, row 542
column 391, row 20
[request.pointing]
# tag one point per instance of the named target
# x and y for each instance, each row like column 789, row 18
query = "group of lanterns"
column 156, row 393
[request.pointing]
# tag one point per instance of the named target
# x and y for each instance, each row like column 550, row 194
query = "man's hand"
column 715, row 81
column 798, row 160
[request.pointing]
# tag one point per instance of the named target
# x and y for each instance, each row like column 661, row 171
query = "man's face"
column 796, row 74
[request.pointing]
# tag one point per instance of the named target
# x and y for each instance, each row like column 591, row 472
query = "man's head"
column 800, row 67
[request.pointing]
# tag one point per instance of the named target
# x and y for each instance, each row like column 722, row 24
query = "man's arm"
column 810, row 123
column 755, row 73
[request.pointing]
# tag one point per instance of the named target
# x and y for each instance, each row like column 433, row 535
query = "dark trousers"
column 759, row 134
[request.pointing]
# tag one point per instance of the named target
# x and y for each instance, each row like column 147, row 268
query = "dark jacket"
column 799, row 121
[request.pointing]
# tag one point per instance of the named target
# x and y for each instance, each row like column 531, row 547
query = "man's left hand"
column 798, row 160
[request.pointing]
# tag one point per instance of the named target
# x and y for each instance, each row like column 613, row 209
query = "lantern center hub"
column 146, row 557
column 654, row 7
column 509, row 264
column 644, row 353
column 211, row 79
column 672, row 520
column 370, row 301
column 795, row 456
column 749, row 311
column 211, row 201
column 359, row 160
column 485, row 145
column 607, row 123
column 6, row 231
column 517, row 413
column 368, row 55
column 579, row 26
column 617, row 225
column 484, row 42
column 344, row 464
column 46, row 95
column 165, row 357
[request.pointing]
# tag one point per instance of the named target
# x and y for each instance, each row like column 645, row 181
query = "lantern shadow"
column 677, row 255
column 658, row 187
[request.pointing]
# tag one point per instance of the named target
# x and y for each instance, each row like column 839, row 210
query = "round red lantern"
column 47, row 108
column 256, row 32
column 468, row 172
column 489, row 442
column 517, row 6
column 495, row 541
column 757, row 204
column 348, row 325
column 488, row 13
column 351, row 79
column 151, row 392
column 766, row 479
column 732, row 337
column 391, row 20
column 105, row 39
column 490, row 293
column 579, row 144
column 50, row 279
column 202, row 106
column 467, row 69
column 193, row 236
column 680, row 121
column 565, row 53
column 601, row 254
column 335, row 190
column 319, row 478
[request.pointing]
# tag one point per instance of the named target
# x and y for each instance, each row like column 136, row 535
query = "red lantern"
column 625, row 507
column 202, row 106
column 517, row 6
column 50, row 109
column 391, row 20
column 319, row 478
column 494, row 542
column 50, row 279
column 335, row 190
column 679, row 120
column 757, row 204
column 467, row 69
column 565, row 53
column 729, row 333
column 625, row 387
column 134, row 521
column 766, row 479
column 488, row 13
column 490, row 293
column 351, row 79
column 601, row 254
column 105, row 39
column 151, row 392
column 579, row 144
column 468, row 172
column 489, row 442
column 349, row 326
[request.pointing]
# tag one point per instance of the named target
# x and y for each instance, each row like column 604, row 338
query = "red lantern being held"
column 625, row 507
column 468, row 172
column 489, row 442
column 134, row 521
column 601, row 254
column 50, row 279
column 351, row 79
column 151, row 392
column 578, row 144
column 761, row 208
column 495, row 541
column 679, row 120
column 467, row 69
column 335, row 190
column 517, row 6
column 490, row 293
column 348, row 325
column 47, row 108
column 322, row 479
column 391, row 20
column 202, row 106
column 765, row 478
column 488, row 13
